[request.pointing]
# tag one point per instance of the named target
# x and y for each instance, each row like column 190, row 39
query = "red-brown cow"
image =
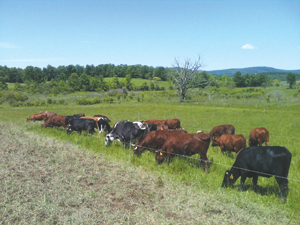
column 49, row 114
column 79, row 114
column 37, row 116
column 230, row 142
column 184, row 144
column 154, row 140
column 173, row 124
column 55, row 121
column 161, row 124
column 258, row 136
column 217, row 131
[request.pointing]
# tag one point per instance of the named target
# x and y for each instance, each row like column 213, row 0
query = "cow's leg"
column 243, row 179
column 254, row 182
column 283, row 184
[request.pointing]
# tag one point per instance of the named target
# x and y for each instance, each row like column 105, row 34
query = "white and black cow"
column 127, row 132
column 264, row 161
column 103, row 125
column 81, row 124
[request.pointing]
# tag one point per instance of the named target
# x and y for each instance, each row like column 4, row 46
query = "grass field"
column 282, row 122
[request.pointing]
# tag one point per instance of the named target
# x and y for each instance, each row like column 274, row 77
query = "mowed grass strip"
column 48, row 181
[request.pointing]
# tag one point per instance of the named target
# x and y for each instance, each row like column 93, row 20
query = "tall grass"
column 282, row 123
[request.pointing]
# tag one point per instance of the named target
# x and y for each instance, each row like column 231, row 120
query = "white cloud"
column 8, row 45
column 248, row 46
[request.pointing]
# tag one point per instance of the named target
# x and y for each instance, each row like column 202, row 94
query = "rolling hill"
column 250, row 70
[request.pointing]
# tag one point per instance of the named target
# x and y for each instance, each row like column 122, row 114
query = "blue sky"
column 225, row 33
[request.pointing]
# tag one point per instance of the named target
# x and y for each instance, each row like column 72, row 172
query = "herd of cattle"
column 166, row 138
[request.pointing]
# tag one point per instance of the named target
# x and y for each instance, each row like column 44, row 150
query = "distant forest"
column 13, row 75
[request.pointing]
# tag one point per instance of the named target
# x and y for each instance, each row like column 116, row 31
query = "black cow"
column 264, row 161
column 70, row 118
column 127, row 131
column 152, row 126
column 81, row 124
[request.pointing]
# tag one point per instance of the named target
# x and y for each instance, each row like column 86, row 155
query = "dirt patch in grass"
column 46, row 181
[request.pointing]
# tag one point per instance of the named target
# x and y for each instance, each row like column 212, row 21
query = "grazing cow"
column 102, row 116
column 258, row 136
column 79, row 114
column 264, row 161
column 230, row 142
column 35, row 117
column 222, row 129
column 103, row 125
column 154, row 140
column 173, row 124
column 55, row 121
column 49, row 114
column 70, row 118
column 127, row 131
column 184, row 144
column 161, row 124
column 81, row 124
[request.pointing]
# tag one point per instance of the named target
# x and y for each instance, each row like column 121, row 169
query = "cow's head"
column 109, row 139
column 160, row 156
column 215, row 141
column 229, row 178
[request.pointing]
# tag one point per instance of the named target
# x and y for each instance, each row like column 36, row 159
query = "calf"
column 230, row 142
column 81, row 124
column 184, row 144
column 265, row 161
column 258, row 136
column 55, row 121
column 127, row 131
column 154, row 140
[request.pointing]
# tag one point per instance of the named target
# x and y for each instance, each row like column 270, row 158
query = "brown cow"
column 217, row 131
column 37, row 116
column 258, row 136
column 103, row 116
column 230, row 142
column 159, row 123
column 79, row 114
column 55, row 121
column 154, row 140
column 173, row 124
column 48, row 115
column 184, row 144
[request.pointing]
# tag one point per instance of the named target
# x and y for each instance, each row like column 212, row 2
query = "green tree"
column 239, row 79
column 85, row 82
column 291, row 79
column 126, row 82
column 114, row 83
column 74, row 82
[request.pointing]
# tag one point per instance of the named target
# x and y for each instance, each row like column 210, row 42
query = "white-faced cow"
column 264, row 161
column 127, row 132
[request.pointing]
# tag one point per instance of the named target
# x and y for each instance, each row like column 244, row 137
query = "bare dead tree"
column 183, row 75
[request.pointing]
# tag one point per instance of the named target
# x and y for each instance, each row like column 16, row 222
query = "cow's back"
column 273, row 160
column 57, row 120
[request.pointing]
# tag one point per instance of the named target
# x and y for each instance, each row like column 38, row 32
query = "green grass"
column 283, row 124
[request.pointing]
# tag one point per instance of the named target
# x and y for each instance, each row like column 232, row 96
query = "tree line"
column 91, row 78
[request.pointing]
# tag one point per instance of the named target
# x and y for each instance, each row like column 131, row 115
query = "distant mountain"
column 250, row 70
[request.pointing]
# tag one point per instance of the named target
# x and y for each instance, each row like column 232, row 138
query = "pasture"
column 283, row 124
